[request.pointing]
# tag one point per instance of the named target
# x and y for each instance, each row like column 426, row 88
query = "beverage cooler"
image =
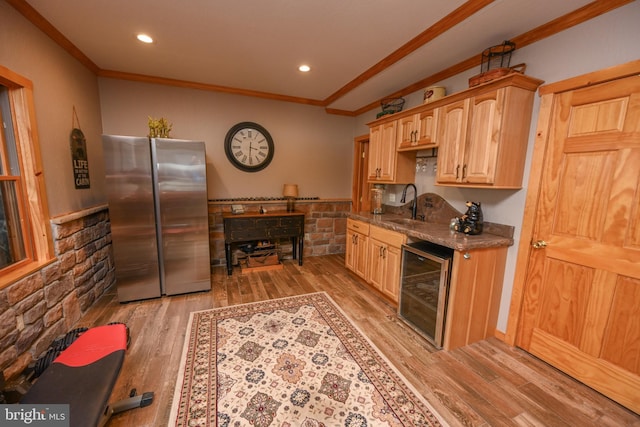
column 424, row 288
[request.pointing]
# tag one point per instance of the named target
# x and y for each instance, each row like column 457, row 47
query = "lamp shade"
column 290, row 190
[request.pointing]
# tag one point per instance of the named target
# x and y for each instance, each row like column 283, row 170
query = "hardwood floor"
column 484, row 384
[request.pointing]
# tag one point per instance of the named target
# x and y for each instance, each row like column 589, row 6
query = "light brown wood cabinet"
column 357, row 247
column 386, row 165
column 384, row 261
column 374, row 253
column 382, row 152
column 483, row 138
column 418, row 131
column 481, row 134
column 474, row 296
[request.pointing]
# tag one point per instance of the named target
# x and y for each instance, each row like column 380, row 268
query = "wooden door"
column 362, row 250
column 580, row 309
column 391, row 282
column 481, row 152
column 388, row 152
column 376, row 263
column 452, row 136
column 428, row 127
column 351, row 250
column 382, row 150
column 407, row 131
column 375, row 141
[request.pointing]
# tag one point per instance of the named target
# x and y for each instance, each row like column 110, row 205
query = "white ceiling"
column 257, row 45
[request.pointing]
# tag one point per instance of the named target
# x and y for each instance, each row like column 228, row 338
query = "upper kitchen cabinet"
column 483, row 134
column 386, row 165
column 418, row 131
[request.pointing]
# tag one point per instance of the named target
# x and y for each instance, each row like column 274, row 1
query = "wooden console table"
column 256, row 226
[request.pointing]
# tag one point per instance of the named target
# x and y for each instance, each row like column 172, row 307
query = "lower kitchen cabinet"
column 374, row 253
column 384, row 261
column 357, row 247
column 475, row 287
column 474, row 296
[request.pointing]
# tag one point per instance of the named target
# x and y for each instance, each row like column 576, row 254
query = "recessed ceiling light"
column 304, row 68
column 144, row 38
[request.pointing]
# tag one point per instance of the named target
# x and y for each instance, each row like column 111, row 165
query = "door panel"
column 581, row 301
column 482, row 149
column 129, row 188
column 452, row 134
column 622, row 340
column 182, row 208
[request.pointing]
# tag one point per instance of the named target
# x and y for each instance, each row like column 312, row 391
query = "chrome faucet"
column 414, row 203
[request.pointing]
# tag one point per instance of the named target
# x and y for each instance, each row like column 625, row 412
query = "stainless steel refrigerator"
column 157, row 194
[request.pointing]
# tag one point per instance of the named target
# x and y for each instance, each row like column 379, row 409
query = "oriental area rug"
column 289, row 362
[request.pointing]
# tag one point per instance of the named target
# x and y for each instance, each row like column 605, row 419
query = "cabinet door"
column 428, row 128
column 388, row 152
column 376, row 263
column 382, row 159
column 351, row 250
column 362, row 250
column 418, row 130
column 481, row 150
column 408, row 131
column 391, row 283
column 452, row 136
column 375, row 140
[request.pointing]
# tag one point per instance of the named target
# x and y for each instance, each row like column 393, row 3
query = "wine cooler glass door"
column 423, row 290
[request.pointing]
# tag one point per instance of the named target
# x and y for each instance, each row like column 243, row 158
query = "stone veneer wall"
column 325, row 229
column 49, row 302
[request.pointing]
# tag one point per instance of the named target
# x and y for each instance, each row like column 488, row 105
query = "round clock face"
column 249, row 146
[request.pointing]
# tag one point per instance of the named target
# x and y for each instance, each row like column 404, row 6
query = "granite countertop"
column 494, row 235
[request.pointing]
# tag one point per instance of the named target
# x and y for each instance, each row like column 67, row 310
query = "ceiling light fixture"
column 304, row 68
column 144, row 38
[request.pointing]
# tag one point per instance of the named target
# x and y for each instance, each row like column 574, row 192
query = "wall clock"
column 249, row 146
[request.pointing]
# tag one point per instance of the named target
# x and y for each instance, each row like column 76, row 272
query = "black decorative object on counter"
column 471, row 222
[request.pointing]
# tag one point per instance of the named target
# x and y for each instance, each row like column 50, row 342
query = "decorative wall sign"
column 79, row 156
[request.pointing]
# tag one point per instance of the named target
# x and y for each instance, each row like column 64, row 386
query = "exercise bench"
column 83, row 376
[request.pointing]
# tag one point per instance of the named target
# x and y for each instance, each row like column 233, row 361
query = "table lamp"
column 290, row 192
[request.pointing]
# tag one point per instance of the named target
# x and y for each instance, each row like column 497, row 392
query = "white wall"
column 312, row 148
column 603, row 42
column 60, row 83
